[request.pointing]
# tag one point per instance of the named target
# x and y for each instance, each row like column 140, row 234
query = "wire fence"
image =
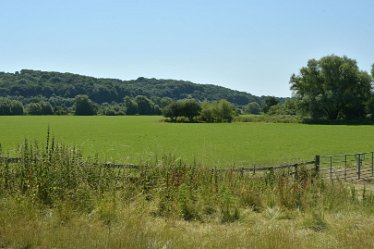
column 291, row 168
column 357, row 166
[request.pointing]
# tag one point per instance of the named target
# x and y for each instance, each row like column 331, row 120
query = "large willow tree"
column 332, row 88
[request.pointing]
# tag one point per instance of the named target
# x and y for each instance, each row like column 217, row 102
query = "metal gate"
column 358, row 166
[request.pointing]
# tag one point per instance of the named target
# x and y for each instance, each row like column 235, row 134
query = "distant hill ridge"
column 28, row 83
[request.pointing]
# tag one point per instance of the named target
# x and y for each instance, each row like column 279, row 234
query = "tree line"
column 140, row 105
column 80, row 105
column 188, row 110
column 33, row 83
column 332, row 88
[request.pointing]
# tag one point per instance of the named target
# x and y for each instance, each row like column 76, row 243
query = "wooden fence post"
column 317, row 161
column 330, row 166
column 296, row 172
column 372, row 163
column 359, row 165
column 345, row 167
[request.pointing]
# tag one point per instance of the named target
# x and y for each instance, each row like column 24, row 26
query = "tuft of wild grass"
column 315, row 221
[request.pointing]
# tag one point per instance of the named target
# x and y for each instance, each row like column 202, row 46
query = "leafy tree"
column 269, row 102
column 39, row 108
column 172, row 111
column 190, row 109
column 84, row 106
column 157, row 110
column 253, row 108
column 113, row 110
column 370, row 103
column 5, row 106
column 208, row 112
column 61, row 105
column 164, row 101
column 217, row 112
column 226, row 111
column 4, row 91
column 59, row 110
column 184, row 108
column 131, row 106
column 10, row 107
column 332, row 88
column 33, row 109
column 57, row 101
column 16, row 108
column 290, row 107
column 145, row 105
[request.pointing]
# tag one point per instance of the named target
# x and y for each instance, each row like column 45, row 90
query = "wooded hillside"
column 30, row 83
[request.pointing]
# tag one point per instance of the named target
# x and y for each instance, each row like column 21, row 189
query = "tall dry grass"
column 57, row 198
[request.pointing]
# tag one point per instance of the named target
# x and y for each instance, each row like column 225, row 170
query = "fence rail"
column 277, row 167
column 344, row 166
column 134, row 166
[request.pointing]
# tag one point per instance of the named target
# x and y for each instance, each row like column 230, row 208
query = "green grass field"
column 133, row 139
column 57, row 198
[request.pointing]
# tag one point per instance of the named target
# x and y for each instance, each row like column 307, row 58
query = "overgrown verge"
column 166, row 204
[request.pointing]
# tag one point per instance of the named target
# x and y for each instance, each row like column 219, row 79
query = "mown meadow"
column 130, row 139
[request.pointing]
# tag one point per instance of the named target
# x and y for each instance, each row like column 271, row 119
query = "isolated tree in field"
column 269, row 102
column 172, row 110
column 253, row 108
column 190, row 109
column 217, row 112
column 332, row 88
column 184, row 108
column 84, row 106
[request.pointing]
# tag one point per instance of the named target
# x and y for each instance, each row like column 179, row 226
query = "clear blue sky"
column 253, row 46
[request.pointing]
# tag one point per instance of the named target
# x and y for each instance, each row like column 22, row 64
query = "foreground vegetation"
column 56, row 198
